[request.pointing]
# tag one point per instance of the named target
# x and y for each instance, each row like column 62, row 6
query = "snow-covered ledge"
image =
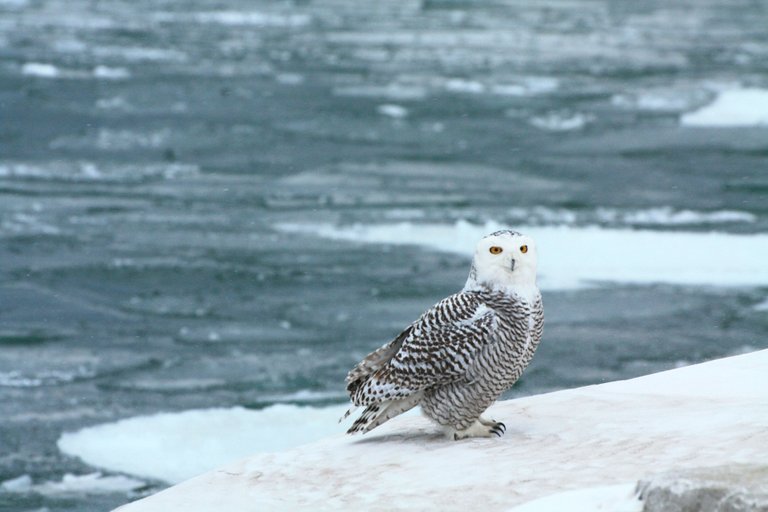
column 579, row 449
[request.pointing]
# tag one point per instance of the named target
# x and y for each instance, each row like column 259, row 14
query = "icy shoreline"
column 604, row 437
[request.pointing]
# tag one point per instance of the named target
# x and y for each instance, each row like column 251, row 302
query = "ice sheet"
column 574, row 257
column 732, row 108
column 195, row 441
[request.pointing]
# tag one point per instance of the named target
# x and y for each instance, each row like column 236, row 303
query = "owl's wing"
column 376, row 360
column 444, row 343
column 439, row 347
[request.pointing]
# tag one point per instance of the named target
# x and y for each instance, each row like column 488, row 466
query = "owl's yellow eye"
column 523, row 249
column 495, row 249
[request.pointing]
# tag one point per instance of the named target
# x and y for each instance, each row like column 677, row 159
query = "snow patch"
column 732, row 108
column 575, row 257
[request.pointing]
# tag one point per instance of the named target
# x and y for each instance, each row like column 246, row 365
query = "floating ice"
column 24, row 224
column 177, row 446
column 235, row 18
column 666, row 215
column 114, row 103
column 670, row 98
column 395, row 91
column 391, row 110
column 561, row 122
column 654, row 102
column 109, row 73
column 40, row 70
column 138, row 53
column 464, row 86
column 114, row 140
column 16, row 379
column 260, row 19
column 660, row 216
column 93, row 483
column 59, row 170
column 19, row 484
column 289, row 78
column 573, row 257
column 527, row 86
column 43, row 70
column 732, row 108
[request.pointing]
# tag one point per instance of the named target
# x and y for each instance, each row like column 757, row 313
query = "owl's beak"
column 512, row 265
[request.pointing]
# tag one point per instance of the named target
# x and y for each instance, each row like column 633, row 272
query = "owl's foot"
column 496, row 426
column 481, row 428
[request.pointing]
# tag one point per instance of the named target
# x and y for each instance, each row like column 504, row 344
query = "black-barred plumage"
column 462, row 353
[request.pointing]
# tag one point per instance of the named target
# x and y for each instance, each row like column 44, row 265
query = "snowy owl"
column 458, row 357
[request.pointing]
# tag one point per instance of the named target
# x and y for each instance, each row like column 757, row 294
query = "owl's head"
column 504, row 259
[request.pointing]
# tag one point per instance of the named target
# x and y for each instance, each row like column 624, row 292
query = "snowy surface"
column 737, row 107
column 609, row 498
column 594, row 440
column 573, row 257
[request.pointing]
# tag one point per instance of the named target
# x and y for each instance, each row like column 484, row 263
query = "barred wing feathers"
column 438, row 348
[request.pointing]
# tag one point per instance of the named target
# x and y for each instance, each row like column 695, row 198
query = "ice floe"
column 391, row 110
column 40, row 69
column 92, row 483
column 561, row 122
column 176, row 446
column 573, row 257
column 732, row 108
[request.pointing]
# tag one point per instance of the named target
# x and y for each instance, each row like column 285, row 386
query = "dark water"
column 148, row 150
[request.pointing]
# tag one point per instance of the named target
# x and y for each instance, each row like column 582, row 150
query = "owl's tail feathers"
column 349, row 411
column 376, row 414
